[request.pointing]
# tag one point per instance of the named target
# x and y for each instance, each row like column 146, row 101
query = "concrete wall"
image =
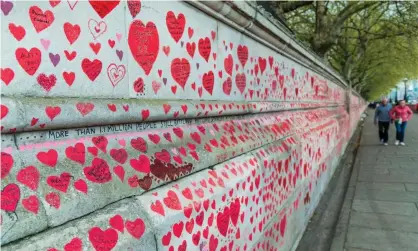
column 154, row 126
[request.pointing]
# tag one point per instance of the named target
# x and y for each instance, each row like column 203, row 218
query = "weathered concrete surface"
column 276, row 174
column 319, row 232
column 121, row 226
column 65, row 194
column 383, row 212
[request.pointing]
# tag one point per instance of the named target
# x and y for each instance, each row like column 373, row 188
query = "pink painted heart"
column 85, row 108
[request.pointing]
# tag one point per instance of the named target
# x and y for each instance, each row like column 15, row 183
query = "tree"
column 371, row 44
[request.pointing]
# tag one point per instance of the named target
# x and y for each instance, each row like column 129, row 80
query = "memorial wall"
column 139, row 125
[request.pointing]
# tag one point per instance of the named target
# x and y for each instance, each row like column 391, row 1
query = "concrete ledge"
column 121, row 226
column 63, row 197
column 65, row 176
column 38, row 114
column 234, row 205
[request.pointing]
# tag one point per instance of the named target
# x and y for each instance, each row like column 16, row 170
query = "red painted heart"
column 98, row 172
column 31, row 204
column 136, row 228
column 103, row 8
column 103, row 240
column 6, row 164
column 180, row 70
column 76, row 153
column 49, row 158
column 134, row 7
column 142, row 164
column 175, row 25
column 40, row 19
column 29, row 176
column 144, row 43
column 10, row 196
column 29, row 60
column 60, row 183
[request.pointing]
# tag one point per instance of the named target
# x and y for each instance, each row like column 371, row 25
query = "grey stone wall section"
column 97, row 226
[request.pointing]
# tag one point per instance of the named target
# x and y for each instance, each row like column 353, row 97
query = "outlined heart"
column 116, row 73
column 97, row 28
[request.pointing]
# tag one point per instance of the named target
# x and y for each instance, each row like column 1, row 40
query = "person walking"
column 382, row 118
column 401, row 114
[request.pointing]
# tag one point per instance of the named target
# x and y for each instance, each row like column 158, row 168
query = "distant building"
column 398, row 92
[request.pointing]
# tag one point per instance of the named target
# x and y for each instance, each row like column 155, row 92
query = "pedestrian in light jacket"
column 382, row 118
column 401, row 114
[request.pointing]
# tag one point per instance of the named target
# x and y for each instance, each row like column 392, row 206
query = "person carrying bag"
column 401, row 114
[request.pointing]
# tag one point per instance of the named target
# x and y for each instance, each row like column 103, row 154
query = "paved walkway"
column 380, row 211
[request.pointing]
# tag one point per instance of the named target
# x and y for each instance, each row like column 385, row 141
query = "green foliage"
column 372, row 44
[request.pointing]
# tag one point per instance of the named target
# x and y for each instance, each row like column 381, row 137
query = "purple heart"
column 197, row 65
column 165, row 81
column 55, row 58
column 120, row 54
column 6, row 7
column 182, row 43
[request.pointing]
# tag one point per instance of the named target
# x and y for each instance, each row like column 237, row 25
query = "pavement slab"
column 382, row 240
column 385, row 221
column 383, row 214
column 385, row 207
